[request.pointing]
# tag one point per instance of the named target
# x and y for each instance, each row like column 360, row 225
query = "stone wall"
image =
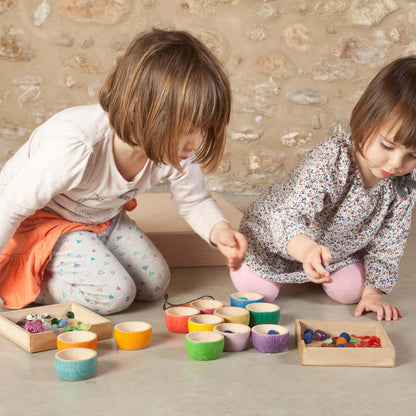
column 297, row 67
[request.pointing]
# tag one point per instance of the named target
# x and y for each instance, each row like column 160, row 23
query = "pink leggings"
column 347, row 283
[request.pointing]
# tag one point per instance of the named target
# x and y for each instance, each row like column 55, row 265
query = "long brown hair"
column 389, row 98
column 169, row 84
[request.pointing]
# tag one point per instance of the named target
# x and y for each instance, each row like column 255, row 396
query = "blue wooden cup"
column 74, row 364
column 242, row 299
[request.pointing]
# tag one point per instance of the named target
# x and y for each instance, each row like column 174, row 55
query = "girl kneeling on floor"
column 64, row 234
column 343, row 217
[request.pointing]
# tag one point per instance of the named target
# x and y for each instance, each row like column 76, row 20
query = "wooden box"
column 47, row 340
column 314, row 354
column 157, row 215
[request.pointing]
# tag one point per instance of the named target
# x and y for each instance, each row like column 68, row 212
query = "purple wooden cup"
column 269, row 338
column 236, row 336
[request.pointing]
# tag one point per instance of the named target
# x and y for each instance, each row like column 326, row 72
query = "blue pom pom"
column 346, row 336
column 228, row 331
column 308, row 338
column 63, row 322
column 272, row 332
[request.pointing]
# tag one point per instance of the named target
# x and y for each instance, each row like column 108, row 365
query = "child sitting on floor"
column 64, row 234
column 343, row 217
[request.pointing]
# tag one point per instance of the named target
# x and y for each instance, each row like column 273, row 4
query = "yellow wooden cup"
column 133, row 335
column 203, row 322
column 233, row 314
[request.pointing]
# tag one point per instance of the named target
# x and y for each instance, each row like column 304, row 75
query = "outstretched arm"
column 231, row 243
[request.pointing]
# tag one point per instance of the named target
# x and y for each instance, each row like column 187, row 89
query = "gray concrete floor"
column 163, row 380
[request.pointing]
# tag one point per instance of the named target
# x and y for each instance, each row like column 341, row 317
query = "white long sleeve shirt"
column 67, row 166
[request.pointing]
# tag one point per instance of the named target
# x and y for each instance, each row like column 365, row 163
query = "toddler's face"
column 384, row 158
column 189, row 143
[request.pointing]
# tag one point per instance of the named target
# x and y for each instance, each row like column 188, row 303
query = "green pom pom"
column 81, row 326
column 68, row 328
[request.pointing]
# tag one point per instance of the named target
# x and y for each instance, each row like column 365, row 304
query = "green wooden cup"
column 263, row 313
column 204, row 345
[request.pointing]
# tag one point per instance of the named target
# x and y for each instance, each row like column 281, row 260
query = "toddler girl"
column 64, row 234
column 343, row 217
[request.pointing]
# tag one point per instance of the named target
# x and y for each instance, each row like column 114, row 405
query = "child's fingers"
column 230, row 238
column 241, row 245
column 317, row 273
column 321, row 279
column 321, row 270
column 379, row 310
column 242, row 242
column 399, row 312
column 236, row 245
column 326, row 256
column 311, row 273
column 324, row 276
column 388, row 313
column 393, row 313
column 359, row 310
column 229, row 252
column 234, row 265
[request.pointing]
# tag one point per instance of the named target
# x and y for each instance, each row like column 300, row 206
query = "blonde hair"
column 168, row 84
column 389, row 98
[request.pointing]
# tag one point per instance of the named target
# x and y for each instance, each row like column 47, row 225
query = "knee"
column 154, row 286
column 121, row 300
column 106, row 301
column 347, row 284
column 245, row 280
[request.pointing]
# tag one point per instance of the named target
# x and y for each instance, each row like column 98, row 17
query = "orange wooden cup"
column 133, row 335
column 77, row 339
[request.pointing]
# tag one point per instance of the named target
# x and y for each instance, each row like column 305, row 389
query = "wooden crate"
column 47, row 340
column 314, row 354
column 156, row 214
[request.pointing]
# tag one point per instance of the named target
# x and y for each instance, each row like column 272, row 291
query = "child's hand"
column 313, row 256
column 314, row 264
column 372, row 300
column 231, row 243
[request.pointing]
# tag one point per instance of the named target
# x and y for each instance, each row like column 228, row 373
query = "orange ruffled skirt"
column 23, row 261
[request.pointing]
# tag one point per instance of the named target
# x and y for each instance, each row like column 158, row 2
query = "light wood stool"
column 156, row 215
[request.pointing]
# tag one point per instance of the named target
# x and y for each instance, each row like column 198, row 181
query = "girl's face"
column 189, row 143
column 383, row 158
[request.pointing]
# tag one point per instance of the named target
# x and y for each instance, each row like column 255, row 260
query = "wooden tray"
column 47, row 340
column 314, row 354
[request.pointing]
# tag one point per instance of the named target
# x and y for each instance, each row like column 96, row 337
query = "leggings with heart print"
column 105, row 272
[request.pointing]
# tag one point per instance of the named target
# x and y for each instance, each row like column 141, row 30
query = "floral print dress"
column 325, row 198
